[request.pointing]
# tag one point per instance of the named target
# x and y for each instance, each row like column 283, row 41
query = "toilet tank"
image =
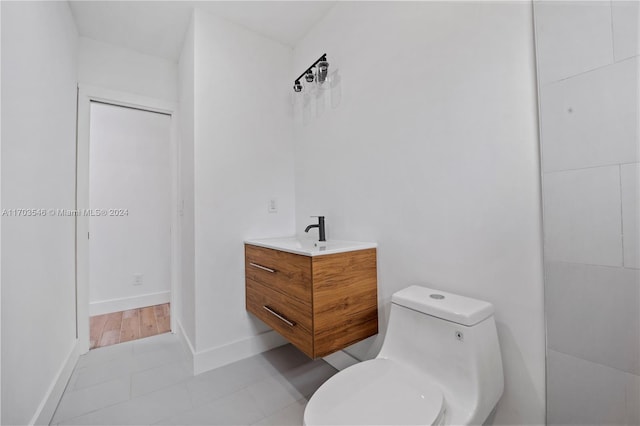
column 453, row 341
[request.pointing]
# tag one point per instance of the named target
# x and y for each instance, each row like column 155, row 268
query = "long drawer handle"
column 264, row 268
column 280, row 317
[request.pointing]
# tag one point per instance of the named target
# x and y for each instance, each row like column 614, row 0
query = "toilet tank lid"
column 451, row 307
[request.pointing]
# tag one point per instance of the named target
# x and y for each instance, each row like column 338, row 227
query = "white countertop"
column 309, row 247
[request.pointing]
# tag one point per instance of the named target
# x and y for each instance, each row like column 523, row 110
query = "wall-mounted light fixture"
column 319, row 75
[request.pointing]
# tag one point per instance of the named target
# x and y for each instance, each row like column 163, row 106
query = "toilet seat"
column 376, row 392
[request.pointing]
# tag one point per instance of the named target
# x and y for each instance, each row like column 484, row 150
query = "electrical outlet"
column 272, row 207
column 137, row 279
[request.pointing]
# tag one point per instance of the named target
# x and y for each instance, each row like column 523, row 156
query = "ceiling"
column 158, row 27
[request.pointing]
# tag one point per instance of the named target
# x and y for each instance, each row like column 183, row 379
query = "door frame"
column 87, row 94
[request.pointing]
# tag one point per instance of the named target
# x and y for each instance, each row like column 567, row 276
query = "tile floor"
column 148, row 381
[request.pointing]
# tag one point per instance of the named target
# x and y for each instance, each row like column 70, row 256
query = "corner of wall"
column 186, row 344
column 222, row 355
column 47, row 407
column 224, row 97
column 0, row 228
column 37, row 365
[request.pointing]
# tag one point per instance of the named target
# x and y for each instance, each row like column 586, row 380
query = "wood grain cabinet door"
column 321, row 304
column 345, row 299
column 289, row 317
column 285, row 272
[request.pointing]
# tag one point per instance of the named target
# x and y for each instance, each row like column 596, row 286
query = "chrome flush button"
column 437, row 296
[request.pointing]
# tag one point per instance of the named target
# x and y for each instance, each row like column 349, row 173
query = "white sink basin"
column 310, row 247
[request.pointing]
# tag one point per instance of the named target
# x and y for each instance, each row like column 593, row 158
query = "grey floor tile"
column 93, row 398
column 157, row 342
column 236, row 409
column 144, row 410
column 223, row 381
column 159, row 356
column 273, row 394
column 106, row 354
column 95, row 374
column 291, row 415
column 149, row 381
column 307, row 378
column 124, row 365
column 284, row 358
column 153, row 379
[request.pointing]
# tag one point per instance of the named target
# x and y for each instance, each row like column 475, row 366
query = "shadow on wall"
column 516, row 370
column 368, row 348
column 314, row 99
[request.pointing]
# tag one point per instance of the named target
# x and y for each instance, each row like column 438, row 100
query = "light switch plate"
column 272, row 207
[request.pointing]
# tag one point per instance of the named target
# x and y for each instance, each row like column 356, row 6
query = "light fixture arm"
column 321, row 58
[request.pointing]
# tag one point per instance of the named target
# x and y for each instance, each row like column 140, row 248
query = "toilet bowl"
column 439, row 364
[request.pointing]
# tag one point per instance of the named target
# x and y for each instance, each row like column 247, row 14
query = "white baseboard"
column 226, row 354
column 48, row 406
column 340, row 360
column 209, row 359
column 125, row 303
column 186, row 343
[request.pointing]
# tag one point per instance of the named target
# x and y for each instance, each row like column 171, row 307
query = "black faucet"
column 320, row 227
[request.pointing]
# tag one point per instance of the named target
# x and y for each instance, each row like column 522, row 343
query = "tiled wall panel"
column 570, row 43
column 584, row 393
column 582, row 216
column 588, row 71
column 591, row 119
column 630, row 186
column 625, row 15
column 593, row 312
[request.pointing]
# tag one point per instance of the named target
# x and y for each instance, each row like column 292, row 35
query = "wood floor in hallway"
column 117, row 327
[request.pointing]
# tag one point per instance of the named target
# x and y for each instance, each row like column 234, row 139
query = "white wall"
column 0, row 227
column 186, row 122
column 129, row 169
column 243, row 157
column 39, row 42
column 588, row 55
column 125, row 70
column 427, row 144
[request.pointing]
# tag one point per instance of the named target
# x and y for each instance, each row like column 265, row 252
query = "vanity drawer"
column 288, row 316
column 284, row 272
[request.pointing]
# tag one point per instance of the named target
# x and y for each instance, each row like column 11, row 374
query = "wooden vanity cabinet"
column 321, row 304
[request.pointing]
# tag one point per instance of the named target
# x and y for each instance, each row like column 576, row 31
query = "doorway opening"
column 126, row 221
column 129, row 220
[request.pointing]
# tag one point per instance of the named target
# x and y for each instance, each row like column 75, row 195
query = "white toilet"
column 439, row 364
